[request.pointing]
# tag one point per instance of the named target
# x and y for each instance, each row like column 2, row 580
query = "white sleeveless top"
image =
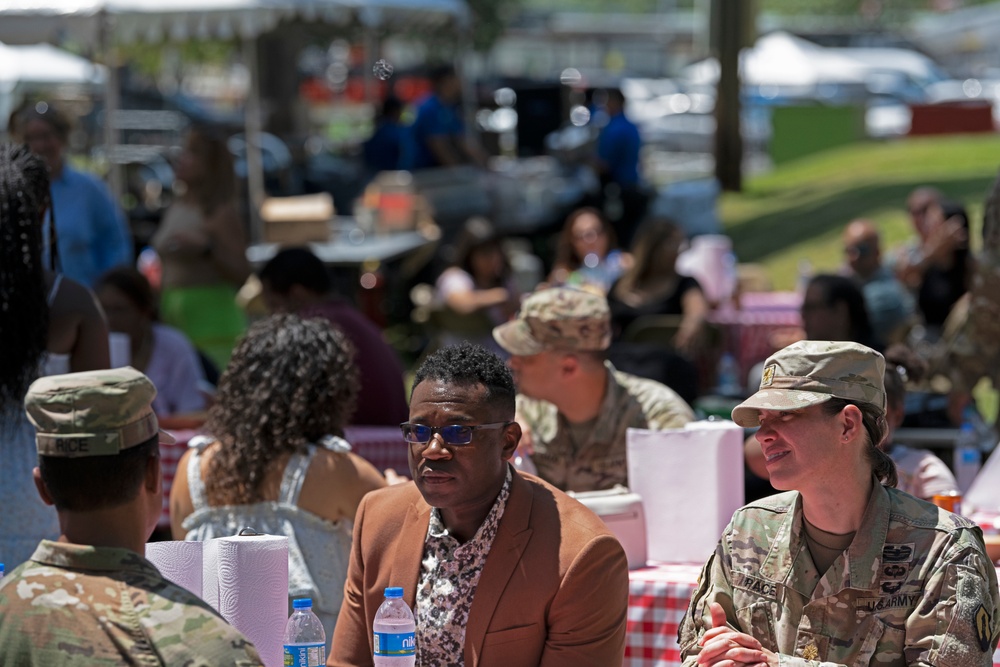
column 318, row 549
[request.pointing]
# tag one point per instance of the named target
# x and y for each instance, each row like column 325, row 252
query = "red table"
column 658, row 597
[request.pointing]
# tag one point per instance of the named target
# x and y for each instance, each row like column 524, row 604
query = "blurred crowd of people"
column 274, row 398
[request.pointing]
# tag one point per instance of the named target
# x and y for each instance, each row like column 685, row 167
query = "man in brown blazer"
column 501, row 568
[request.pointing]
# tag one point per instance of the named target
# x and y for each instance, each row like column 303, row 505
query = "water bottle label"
column 305, row 655
column 970, row 455
column 395, row 644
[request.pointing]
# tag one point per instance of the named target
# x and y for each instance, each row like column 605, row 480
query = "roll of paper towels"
column 249, row 580
column 179, row 562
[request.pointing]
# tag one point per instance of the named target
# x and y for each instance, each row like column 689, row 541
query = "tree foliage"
column 489, row 20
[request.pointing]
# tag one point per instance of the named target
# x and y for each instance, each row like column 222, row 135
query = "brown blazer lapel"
column 409, row 550
column 505, row 553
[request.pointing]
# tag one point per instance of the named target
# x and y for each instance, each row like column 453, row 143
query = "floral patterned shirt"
column 448, row 579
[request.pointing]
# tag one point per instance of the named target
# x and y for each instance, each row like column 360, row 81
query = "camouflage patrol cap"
column 558, row 318
column 811, row 372
column 96, row 413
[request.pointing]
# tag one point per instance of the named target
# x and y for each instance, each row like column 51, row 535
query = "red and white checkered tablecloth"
column 658, row 597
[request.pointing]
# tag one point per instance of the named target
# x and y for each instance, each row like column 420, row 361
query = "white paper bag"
column 691, row 482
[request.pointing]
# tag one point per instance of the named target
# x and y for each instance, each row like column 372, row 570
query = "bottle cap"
column 302, row 603
column 394, row 592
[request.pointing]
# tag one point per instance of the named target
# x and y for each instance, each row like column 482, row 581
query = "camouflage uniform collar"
column 864, row 555
column 87, row 557
column 613, row 389
column 865, row 552
column 607, row 424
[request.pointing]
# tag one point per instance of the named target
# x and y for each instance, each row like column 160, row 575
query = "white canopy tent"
column 100, row 24
column 42, row 65
column 781, row 59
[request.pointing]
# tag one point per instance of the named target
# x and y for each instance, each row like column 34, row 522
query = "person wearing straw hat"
column 842, row 568
column 90, row 597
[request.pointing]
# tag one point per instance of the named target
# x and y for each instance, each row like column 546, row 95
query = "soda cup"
column 951, row 501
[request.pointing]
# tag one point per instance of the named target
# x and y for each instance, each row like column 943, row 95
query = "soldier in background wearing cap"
column 572, row 403
column 90, row 597
column 842, row 569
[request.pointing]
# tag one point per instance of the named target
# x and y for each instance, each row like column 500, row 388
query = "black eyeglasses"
column 452, row 434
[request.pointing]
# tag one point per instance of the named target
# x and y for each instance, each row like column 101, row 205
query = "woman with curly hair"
column 48, row 325
column 277, row 460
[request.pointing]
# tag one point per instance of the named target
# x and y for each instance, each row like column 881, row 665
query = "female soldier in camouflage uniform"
column 842, row 569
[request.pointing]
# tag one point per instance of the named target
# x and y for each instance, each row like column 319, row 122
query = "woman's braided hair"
column 290, row 382
column 24, row 312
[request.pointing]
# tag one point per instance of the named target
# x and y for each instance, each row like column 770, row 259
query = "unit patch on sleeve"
column 983, row 625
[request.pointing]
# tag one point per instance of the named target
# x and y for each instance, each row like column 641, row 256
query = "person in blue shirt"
column 437, row 135
column 383, row 150
column 618, row 144
column 91, row 232
column 622, row 198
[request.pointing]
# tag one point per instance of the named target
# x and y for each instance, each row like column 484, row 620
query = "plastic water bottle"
column 805, row 275
column 394, row 632
column 967, row 459
column 728, row 374
column 1, row 571
column 305, row 638
column 985, row 434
